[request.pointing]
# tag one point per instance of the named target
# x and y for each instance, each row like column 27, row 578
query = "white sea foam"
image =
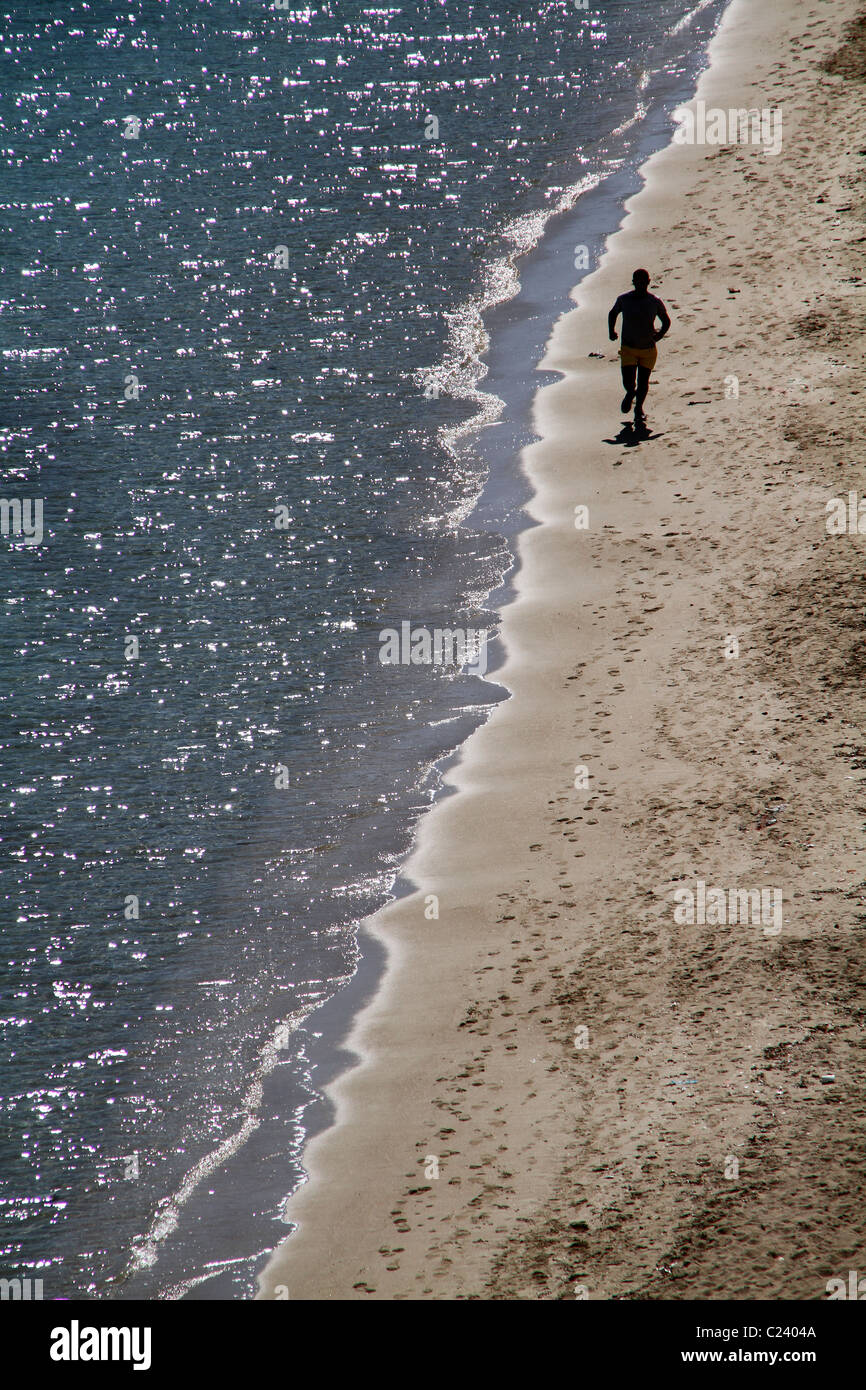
column 167, row 1215
column 460, row 372
column 692, row 15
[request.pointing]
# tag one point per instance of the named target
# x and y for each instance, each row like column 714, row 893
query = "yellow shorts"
column 639, row 357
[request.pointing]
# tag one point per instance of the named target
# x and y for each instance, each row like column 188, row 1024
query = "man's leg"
column 628, row 381
column 643, row 381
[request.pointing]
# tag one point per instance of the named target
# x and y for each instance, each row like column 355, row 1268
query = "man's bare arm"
column 611, row 323
column 666, row 323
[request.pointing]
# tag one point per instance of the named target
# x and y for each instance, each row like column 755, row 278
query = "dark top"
column 639, row 313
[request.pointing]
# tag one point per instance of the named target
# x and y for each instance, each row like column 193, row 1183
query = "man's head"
column 641, row 280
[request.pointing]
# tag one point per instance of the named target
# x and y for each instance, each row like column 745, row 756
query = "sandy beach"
column 563, row 1091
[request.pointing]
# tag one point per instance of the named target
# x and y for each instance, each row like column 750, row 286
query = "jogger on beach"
column 638, row 353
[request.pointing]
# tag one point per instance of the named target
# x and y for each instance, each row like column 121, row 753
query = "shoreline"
column 320, row 1037
column 512, row 1124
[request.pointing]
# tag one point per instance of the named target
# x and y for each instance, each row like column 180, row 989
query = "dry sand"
column 603, row 1167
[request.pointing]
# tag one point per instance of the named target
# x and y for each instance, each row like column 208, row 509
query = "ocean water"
column 273, row 288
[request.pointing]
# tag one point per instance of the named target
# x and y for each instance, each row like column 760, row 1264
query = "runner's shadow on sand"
column 631, row 434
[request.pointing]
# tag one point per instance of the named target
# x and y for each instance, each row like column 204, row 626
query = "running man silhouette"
column 638, row 353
